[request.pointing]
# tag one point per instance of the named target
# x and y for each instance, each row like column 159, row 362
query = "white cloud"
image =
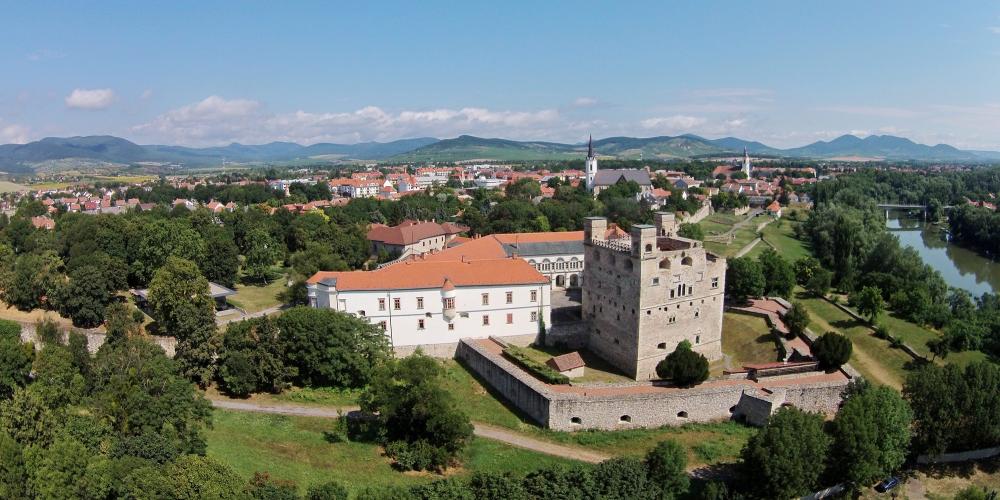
column 12, row 133
column 880, row 111
column 730, row 92
column 146, row 94
column 995, row 30
column 673, row 123
column 44, row 55
column 90, row 98
column 584, row 102
column 216, row 120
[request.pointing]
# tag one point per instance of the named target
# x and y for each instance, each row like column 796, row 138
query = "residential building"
column 432, row 304
column 412, row 237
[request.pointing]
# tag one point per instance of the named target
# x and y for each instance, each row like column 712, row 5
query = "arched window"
column 649, row 247
column 687, row 261
column 665, row 263
column 682, row 414
column 624, row 419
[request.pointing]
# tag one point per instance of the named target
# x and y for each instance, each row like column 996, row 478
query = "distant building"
column 591, row 165
column 746, row 162
column 413, row 237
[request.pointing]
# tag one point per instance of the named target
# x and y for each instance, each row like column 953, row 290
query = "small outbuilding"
column 569, row 364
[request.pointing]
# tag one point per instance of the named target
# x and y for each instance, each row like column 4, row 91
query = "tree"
column 667, row 469
column 252, row 358
column 744, row 279
column 120, row 322
column 797, row 319
column 805, row 267
column 525, row 189
column 203, row 477
column 939, row 348
column 13, row 474
column 140, row 390
column 683, row 366
column 871, row 435
column 31, row 280
column 786, row 458
column 57, row 379
column 316, row 257
column 496, row 485
column 954, row 409
column 622, row 477
column 689, row 230
column 560, row 482
column 91, row 288
column 869, row 302
column 413, row 409
column 779, row 277
column 819, row 282
column 178, row 296
column 832, row 350
column 60, row 470
column 330, row 490
column 15, row 365
column 330, row 348
column 222, row 258
column 261, row 254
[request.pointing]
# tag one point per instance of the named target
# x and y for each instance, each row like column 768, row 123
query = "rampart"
column 646, row 404
column 95, row 339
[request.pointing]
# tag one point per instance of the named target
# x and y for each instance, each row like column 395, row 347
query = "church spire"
column 590, row 147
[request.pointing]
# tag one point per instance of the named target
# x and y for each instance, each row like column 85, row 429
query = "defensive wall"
column 646, row 404
column 95, row 338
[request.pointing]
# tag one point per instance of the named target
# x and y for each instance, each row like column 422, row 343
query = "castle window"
column 576, row 421
column 624, row 419
column 510, row 318
column 381, row 304
column 673, row 319
column 381, row 325
column 486, row 299
column 682, row 414
column 649, row 247
column 665, row 263
column 697, row 339
column 715, row 282
column 396, row 304
column 671, row 294
column 510, row 297
column 486, row 320
column 449, row 303
column 687, row 261
column 534, row 316
column 451, row 326
column 361, row 313
column 656, row 281
column 661, row 345
column 420, row 324
column 420, row 302
column 534, row 295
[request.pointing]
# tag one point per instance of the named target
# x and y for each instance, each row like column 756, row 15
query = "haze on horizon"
column 782, row 72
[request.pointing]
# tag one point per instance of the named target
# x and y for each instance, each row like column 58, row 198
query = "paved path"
column 240, row 317
column 482, row 430
column 749, row 246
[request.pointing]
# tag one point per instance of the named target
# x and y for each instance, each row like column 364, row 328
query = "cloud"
column 91, row 99
column 12, row 133
column 217, row 120
column 995, row 30
column 878, row 111
column 585, row 102
column 673, row 123
column 44, row 55
column 146, row 94
column 730, row 92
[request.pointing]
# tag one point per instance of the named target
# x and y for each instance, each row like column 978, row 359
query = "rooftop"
column 418, row 274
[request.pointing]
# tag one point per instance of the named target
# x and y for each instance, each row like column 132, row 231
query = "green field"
column 296, row 449
column 597, row 370
column 254, row 298
column 10, row 187
column 780, row 235
column 747, row 339
column 718, row 224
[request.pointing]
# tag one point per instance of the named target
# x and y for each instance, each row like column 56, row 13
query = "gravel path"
column 482, row 430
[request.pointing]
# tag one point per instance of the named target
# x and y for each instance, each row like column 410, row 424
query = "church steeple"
column 590, row 147
column 746, row 162
column 591, row 164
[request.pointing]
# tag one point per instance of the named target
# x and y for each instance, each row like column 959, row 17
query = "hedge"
column 541, row 370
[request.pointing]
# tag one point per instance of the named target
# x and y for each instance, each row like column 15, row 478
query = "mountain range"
column 24, row 157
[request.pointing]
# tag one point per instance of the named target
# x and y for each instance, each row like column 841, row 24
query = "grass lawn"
column 295, row 449
column 300, row 396
column 942, row 482
column 597, row 370
column 719, row 223
column 873, row 357
column 15, row 314
column 747, row 339
column 477, row 401
column 706, row 444
column 252, row 298
column 780, row 235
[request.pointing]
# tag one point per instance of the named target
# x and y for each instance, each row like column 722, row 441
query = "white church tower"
column 746, row 162
column 591, row 164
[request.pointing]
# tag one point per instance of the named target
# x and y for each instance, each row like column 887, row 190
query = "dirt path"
column 915, row 489
column 482, row 430
column 240, row 317
column 746, row 249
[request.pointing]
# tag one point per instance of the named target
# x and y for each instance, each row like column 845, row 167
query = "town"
column 519, row 251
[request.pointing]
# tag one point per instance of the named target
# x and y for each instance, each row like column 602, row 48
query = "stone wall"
column 572, row 335
column 95, row 339
column 572, row 408
column 448, row 350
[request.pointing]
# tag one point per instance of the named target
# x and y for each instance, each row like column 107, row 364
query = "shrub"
column 832, row 350
column 331, row 490
column 418, row 455
column 797, row 319
column 10, row 330
column 882, row 331
column 542, row 371
column 683, row 366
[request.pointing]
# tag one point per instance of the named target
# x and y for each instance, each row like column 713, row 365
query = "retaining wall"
column 95, row 339
column 578, row 408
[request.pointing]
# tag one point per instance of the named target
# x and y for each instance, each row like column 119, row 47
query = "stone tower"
column 644, row 294
column 591, row 164
column 746, row 162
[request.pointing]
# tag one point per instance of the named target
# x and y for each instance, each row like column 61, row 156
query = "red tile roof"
column 566, row 362
column 415, row 274
column 410, row 232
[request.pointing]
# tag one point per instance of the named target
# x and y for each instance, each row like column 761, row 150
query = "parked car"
column 887, row 484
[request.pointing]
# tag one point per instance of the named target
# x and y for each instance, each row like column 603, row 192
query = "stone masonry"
column 645, row 294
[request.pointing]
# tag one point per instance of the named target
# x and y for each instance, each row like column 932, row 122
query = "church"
column 598, row 180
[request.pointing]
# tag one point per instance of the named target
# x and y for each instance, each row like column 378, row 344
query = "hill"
column 881, row 146
column 467, row 147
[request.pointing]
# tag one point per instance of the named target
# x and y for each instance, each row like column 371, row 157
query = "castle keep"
column 644, row 294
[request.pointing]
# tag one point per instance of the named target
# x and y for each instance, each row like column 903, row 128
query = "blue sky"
column 782, row 72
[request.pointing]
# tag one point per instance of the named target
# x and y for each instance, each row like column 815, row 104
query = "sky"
column 785, row 73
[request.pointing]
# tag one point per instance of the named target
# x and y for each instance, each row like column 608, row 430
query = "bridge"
column 907, row 206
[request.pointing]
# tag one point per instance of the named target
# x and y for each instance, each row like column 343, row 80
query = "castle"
column 644, row 294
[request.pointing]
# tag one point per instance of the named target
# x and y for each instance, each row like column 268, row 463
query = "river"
column 960, row 267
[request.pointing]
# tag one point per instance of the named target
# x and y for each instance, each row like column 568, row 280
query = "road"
column 482, row 430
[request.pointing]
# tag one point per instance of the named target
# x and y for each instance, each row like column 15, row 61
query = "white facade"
column 591, row 165
column 563, row 271
column 421, row 317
